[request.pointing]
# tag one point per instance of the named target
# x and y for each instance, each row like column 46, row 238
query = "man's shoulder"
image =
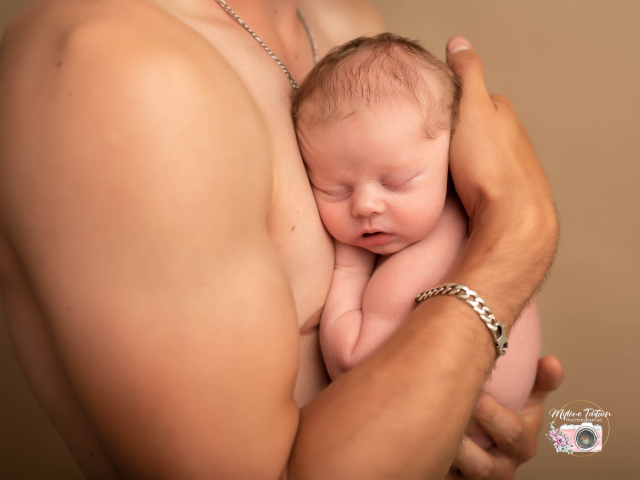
column 343, row 20
column 80, row 42
column 44, row 28
column 124, row 90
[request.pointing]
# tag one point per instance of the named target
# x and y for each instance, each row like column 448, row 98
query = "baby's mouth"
column 370, row 239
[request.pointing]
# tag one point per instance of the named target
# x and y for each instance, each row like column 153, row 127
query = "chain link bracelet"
column 497, row 329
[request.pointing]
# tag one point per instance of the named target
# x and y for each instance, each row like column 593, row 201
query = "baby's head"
column 374, row 119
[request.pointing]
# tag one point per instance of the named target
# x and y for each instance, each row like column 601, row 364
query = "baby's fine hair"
column 372, row 71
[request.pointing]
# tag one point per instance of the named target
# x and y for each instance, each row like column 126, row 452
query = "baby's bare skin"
column 380, row 186
column 376, row 171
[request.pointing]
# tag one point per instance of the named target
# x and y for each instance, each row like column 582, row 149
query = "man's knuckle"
column 490, row 415
column 515, row 434
column 482, row 471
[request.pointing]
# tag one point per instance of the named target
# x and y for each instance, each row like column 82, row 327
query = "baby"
column 374, row 119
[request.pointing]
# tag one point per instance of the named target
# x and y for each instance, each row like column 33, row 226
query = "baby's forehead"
column 374, row 142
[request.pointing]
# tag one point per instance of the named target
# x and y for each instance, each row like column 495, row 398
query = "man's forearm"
column 403, row 411
column 511, row 250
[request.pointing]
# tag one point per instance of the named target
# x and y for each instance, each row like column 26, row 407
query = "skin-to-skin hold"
column 160, row 227
column 381, row 185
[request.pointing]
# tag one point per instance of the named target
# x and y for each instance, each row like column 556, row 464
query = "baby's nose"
column 366, row 204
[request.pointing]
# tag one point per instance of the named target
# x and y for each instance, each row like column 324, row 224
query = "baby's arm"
column 363, row 310
column 342, row 314
column 389, row 297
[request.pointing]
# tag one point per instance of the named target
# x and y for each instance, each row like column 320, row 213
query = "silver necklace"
column 314, row 47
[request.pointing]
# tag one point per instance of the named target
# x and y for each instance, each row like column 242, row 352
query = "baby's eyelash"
column 401, row 184
column 338, row 194
column 335, row 194
column 397, row 185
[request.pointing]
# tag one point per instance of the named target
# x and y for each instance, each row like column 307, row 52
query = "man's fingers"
column 511, row 432
column 477, row 464
column 505, row 428
column 548, row 378
column 463, row 60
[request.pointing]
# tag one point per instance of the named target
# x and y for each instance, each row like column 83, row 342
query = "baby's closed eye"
column 335, row 192
column 396, row 183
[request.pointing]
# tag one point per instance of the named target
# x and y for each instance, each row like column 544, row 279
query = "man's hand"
column 507, row 197
column 515, row 436
column 504, row 191
column 491, row 155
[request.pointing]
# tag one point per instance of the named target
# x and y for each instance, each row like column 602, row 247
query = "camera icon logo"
column 585, row 429
column 583, row 438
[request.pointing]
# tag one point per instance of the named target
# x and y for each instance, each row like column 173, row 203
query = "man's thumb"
column 463, row 60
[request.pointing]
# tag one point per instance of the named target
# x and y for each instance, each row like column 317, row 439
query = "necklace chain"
column 314, row 46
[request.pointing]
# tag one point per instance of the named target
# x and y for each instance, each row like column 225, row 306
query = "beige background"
column 572, row 69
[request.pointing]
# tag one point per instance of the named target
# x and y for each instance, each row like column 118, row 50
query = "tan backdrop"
column 572, row 70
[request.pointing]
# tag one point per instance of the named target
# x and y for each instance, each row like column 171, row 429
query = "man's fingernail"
column 460, row 48
column 457, row 44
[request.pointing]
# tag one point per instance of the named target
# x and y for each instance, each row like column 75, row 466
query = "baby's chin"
column 384, row 250
column 388, row 248
column 373, row 243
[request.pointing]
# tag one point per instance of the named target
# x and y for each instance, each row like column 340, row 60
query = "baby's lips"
column 373, row 240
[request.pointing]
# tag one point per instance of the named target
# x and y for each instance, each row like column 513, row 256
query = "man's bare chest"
column 303, row 245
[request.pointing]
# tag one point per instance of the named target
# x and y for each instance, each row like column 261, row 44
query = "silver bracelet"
column 497, row 329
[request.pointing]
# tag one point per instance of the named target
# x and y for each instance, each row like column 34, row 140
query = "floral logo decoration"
column 559, row 440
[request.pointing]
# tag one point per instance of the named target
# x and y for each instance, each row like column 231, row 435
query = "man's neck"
column 270, row 7
column 274, row 11
column 275, row 15
column 274, row 21
column 281, row 14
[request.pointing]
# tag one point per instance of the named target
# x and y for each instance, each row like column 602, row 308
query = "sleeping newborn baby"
column 374, row 119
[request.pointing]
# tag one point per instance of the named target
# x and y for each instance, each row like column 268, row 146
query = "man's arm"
column 139, row 214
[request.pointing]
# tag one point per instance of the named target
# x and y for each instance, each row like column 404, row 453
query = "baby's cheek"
column 422, row 217
column 333, row 217
column 425, row 205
